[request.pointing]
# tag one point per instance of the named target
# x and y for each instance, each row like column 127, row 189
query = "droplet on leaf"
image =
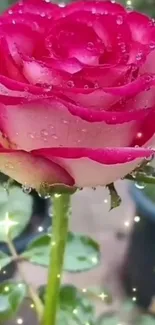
column 140, row 185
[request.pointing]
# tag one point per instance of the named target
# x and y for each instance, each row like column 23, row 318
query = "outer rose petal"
column 96, row 7
column 96, row 167
column 142, row 29
column 30, row 6
column 106, row 97
column 146, row 132
column 56, row 124
column 149, row 65
column 32, row 171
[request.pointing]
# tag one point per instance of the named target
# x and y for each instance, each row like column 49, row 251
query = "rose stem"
column 32, row 293
column 61, row 203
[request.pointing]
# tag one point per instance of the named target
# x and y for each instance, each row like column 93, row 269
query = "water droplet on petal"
column 42, row 14
column 9, row 165
column 70, row 83
column 10, row 12
column 86, row 87
column 139, row 56
column 44, row 133
column 93, row 10
column 149, row 159
column 51, row 126
column 152, row 45
column 49, row 88
column 90, row 46
column 152, row 22
column 26, row 189
column 65, row 121
column 31, row 135
column 96, row 85
column 119, row 20
column 54, row 136
column 139, row 135
column 13, row 22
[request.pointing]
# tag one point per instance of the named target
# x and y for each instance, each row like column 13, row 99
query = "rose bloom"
column 77, row 92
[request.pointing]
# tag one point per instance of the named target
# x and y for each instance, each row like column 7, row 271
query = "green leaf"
column 115, row 198
column 11, row 297
column 82, row 253
column 15, row 207
column 38, row 250
column 74, row 308
column 146, row 320
column 108, row 319
column 113, row 319
column 4, row 260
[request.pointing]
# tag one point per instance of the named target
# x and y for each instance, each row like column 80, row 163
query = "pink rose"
column 77, row 92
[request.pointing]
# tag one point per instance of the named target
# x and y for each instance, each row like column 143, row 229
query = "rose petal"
column 146, row 132
column 142, row 28
column 43, row 7
column 96, row 167
column 149, row 65
column 57, row 124
column 96, row 7
column 144, row 99
column 93, row 98
column 133, row 88
column 20, row 36
column 11, row 68
column 71, row 65
column 75, row 40
column 15, row 92
column 106, row 75
column 38, row 73
column 106, row 97
column 31, row 170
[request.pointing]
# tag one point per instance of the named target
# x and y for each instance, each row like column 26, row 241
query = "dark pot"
column 40, row 218
column 139, row 266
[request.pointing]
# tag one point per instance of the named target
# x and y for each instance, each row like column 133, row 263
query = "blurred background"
column 147, row 6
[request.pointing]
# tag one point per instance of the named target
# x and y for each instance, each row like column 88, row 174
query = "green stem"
column 58, row 242
column 141, row 177
column 32, row 292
